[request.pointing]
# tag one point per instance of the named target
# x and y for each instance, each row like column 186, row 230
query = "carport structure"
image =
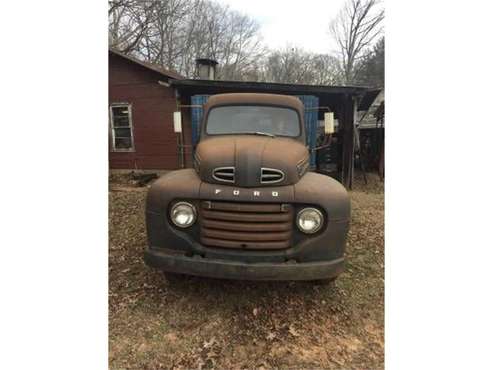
column 344, row 101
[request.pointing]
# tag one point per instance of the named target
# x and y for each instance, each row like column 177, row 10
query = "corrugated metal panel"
column 197, row 113
column 310, row 103
column 311, row 116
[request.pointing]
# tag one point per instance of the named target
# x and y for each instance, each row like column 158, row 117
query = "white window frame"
column 131, row 126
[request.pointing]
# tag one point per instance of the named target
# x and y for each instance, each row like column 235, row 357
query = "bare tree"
column 241, row 47
column 173, row 33
column 326, row 70
column 163, row 41
column 371, row 68
column 231, row 38
column 355, row 28
column 295, row 65
column 288, row 65
column 129, row 21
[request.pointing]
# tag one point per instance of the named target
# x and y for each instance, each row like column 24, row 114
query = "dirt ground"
column 204, row 323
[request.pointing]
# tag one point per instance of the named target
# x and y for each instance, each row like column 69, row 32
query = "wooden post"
column 180, row 140
column 348, row 141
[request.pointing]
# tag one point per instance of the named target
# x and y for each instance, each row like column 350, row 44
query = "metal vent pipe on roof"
column 206, row 68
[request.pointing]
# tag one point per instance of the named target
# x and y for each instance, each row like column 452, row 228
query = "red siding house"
column 141, row 106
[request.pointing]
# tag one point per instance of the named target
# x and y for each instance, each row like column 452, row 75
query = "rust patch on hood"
column 251, row 161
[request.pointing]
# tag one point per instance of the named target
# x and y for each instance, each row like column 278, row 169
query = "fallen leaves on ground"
column 206, row 323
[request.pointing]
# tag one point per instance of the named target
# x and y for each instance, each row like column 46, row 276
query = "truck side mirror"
column 329, row 123
column 177, row 122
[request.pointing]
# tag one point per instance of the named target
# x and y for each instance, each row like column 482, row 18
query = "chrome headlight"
column 183, row 214
column 309, row 220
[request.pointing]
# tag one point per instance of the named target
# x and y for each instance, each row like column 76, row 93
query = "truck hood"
column 251, row 161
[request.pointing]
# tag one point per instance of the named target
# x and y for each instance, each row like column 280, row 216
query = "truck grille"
column 224, row 174
column 270, row 175
column 245, row 225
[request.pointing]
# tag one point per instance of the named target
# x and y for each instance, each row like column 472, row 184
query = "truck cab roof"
column 253, row 98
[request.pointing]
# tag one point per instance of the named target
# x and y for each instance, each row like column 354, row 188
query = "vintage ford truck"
column 250, row 208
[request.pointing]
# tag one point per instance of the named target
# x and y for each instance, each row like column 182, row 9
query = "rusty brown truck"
column 250, row 208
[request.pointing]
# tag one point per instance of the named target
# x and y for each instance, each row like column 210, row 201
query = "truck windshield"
column 251, row 119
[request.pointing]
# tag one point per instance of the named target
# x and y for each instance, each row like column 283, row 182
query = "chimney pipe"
column 206, row 68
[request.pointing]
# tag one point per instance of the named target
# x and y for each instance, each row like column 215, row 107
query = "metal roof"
column 368, row 99
column 203, row 86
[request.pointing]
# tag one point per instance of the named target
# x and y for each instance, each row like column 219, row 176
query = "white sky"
column 302, row 23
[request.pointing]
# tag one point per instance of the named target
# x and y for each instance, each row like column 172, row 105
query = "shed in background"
column 141, row 106
column 341, row 100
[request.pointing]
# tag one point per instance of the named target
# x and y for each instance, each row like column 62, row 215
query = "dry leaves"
column 204, row 323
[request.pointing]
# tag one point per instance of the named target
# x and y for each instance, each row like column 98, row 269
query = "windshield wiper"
column 259, row 133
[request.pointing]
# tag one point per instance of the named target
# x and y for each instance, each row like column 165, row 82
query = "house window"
column 121, row 127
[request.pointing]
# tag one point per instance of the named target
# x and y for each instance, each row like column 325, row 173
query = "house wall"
column 155, row 143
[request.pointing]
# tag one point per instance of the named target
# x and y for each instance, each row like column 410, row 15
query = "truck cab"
column 250, row 208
